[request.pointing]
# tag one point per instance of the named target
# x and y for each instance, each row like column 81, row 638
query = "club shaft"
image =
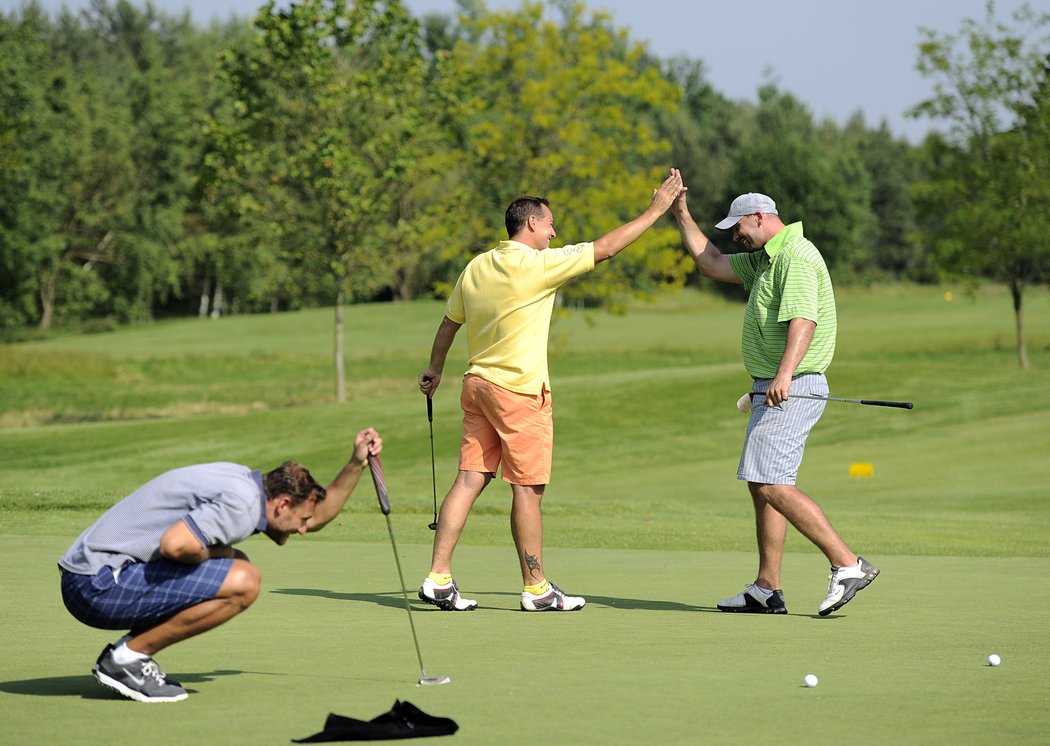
column 433, row 465
column 868, row 402
column 404, row 594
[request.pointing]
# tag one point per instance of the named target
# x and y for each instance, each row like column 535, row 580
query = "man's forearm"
column 443, row 339
column 697, row 244
column 616, row 240
column 800, row 335
column 336, row 495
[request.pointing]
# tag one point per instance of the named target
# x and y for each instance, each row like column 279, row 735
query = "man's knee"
column 242, row 583
column 775, row 495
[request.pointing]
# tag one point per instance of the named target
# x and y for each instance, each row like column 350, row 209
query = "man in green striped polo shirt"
column 788, row 342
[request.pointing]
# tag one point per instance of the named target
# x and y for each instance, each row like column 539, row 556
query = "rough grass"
column 647, row 434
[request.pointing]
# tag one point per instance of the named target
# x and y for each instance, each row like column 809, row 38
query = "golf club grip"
column 376, row 467
column 898, row 404
column 430, row 409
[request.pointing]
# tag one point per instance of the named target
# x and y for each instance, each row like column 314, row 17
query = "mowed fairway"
column 644, row 517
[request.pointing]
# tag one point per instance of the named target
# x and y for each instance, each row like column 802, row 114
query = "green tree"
column 66, row 190
column 156, row 68
column 564, row 109
column 327, row 105
column 814, row 175
column 704, row 131
column 985, row 199
column 896, row 251
column 100, row 117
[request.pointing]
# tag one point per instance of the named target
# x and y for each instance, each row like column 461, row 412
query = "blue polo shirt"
column 221, row 503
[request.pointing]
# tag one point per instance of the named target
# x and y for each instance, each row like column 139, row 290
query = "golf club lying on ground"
column 744, row 402
column 379, row 480
column 433, row 469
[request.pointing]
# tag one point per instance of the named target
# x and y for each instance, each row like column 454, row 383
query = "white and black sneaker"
column 445, row 597
column 754, row 600
column 553, row 600
column 844, row 582
column 140, row 680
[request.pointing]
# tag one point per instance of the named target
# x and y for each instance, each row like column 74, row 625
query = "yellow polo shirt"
column 504, row 298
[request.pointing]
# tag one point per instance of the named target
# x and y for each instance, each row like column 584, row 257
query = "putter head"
column 433, row 526
column 434, row 680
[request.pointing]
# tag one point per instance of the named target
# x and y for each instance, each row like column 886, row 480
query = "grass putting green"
column 648, row 660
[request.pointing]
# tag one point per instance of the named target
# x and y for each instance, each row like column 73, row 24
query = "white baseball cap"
column 747, row 204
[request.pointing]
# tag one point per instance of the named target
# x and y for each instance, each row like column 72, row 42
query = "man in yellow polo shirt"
column 788, row 342
column 505, row 297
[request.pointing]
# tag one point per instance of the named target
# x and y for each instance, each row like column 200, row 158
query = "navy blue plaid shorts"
column 141, row 594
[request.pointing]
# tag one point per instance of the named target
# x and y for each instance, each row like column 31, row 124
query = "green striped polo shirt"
column 787, row 279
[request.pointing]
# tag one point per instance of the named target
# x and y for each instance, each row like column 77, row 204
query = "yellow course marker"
column 862, row 470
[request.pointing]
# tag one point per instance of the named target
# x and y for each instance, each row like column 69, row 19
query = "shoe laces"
column 151, row 669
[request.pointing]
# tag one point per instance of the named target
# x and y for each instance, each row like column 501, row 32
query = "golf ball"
column 994, row 660
column 810, row 680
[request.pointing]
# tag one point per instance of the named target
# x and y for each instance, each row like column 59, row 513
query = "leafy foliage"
column 989, row 178
column 342, row 149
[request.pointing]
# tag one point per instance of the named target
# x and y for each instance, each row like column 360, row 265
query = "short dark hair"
column 519, row 211
column 291, row 478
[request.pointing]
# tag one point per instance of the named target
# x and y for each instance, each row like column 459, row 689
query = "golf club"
column 433, row 469
column 744, row 402
column 376, row 467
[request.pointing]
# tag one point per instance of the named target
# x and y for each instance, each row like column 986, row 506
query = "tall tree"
column 327, row 103
column 99, row 113
column 896, row 251
column 563, row 108
column 985, row 199
column 813, row 174
column 68, row 192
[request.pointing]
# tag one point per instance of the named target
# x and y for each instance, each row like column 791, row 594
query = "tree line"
column 339, row 151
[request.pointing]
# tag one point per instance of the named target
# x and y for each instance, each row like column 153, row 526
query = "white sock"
column 123, row 655
column 765, row 591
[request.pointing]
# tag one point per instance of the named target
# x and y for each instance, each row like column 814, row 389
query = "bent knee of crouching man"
column 242, row 583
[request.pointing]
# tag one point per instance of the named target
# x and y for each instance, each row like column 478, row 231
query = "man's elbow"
column 603, row 251
column 181, row 551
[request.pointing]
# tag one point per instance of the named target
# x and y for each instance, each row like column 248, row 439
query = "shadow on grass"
column 395, row 600
column 86, row 687
column 647, row 604
column 392, row 599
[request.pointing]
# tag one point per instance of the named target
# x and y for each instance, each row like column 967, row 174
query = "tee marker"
column 862, row 470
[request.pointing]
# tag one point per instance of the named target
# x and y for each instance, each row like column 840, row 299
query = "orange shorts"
column 504, row 427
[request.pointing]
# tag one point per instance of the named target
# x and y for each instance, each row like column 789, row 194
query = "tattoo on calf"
column 533, row 563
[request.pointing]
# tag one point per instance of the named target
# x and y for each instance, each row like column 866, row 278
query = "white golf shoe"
column 844, row 582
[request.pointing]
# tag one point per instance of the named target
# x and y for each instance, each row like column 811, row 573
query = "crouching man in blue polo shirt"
column 161, row 562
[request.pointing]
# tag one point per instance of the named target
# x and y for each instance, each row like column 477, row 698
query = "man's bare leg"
column 238, row 591
column 455, row 509
column 807, row 517
column 771, row 532
column 526, row 525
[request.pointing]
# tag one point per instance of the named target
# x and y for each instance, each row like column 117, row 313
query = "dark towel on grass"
column 404, row 720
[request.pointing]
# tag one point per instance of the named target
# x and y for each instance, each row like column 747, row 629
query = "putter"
column 433, row 469
column 744, row 402
column 379, row 480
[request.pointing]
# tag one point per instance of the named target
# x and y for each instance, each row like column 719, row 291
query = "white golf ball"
column 994, row 660
column 810, row 680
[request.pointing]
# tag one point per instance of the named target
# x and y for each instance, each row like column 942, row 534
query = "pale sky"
column 836, row 56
